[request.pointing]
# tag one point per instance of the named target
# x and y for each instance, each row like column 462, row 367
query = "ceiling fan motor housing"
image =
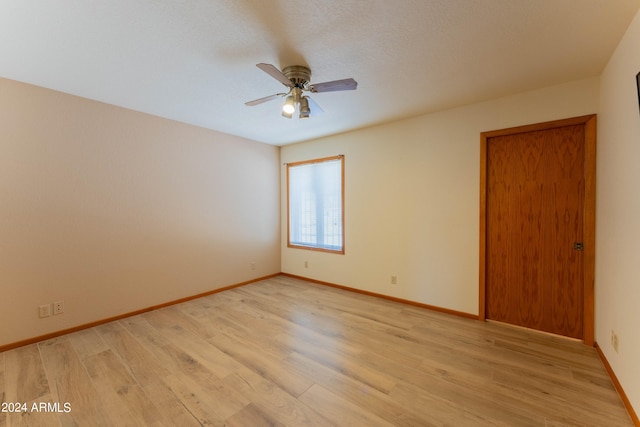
column 299, row 75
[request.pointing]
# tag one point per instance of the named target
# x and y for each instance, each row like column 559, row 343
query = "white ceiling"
column 194, row 60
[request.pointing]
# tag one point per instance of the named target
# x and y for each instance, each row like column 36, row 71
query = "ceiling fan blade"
column 314, row 107
column 335, row 85
column 275, row 73
column 265, row 99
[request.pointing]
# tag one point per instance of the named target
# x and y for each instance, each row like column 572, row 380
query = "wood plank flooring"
column 284, row 352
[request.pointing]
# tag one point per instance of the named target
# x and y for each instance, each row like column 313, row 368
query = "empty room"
column 338, row 213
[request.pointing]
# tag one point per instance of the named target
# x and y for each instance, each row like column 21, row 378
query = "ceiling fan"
column 298, row 79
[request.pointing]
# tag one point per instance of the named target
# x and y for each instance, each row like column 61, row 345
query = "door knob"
column 578, row 246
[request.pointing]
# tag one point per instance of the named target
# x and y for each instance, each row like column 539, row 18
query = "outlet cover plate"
column 58, row 307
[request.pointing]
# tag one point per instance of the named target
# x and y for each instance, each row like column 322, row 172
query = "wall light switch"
column 44, row 310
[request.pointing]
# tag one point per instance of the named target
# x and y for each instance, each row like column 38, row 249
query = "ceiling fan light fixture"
column 304, row 108
column 289, row 106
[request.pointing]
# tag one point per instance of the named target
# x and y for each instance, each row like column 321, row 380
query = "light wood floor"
column 287, row 352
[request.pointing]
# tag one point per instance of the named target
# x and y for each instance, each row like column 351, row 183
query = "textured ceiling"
column 194, row 60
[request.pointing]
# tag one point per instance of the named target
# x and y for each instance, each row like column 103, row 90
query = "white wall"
column 412, row 197
column 113, row 211
column 618, row 214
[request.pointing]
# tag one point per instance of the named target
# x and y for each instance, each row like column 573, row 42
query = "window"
column 315, row 204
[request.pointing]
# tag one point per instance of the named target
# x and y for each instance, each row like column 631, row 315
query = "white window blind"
column 315, row 201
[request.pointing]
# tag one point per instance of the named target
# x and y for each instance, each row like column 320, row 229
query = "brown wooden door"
column 535, row 199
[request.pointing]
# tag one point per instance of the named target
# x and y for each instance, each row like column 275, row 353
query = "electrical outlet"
column 44, row 310
column 253, row 265
column 58, row 307
column 394, row 280
column 614, row 340
column 306, row 264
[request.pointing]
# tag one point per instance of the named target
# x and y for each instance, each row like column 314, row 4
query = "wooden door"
column 535, row 227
